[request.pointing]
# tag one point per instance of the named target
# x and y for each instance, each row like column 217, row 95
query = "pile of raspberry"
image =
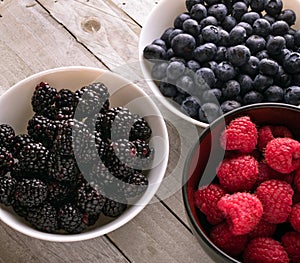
column 253, row 205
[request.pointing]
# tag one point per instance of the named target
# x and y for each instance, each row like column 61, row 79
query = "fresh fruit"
column 295, row 217
column 291, row 244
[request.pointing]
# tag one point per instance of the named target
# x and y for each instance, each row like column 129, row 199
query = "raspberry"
column 206, row 200
column 281, row 131
column 295, row 217
column 276, row 198
column 291, row 244
column 263, row 229
column 243, row 212
column 283, row 155
column 266, row 250
column 297, row 180
column 241, row 135
column 224, row 239
column 238, row 174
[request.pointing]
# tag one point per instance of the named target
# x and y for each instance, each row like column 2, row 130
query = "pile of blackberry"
column 222, row 54
column 80, row 159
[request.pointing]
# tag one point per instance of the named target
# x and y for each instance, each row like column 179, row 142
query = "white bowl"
column 161, row 18
column 16, row 110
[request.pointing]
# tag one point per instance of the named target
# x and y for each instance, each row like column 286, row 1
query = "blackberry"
column 135, row 185
column 63, row 168
column 42, row 129
column 113, row 208
column 31, row 192
column 59, row 192
column 19, row 142
column 20, row 209
column 34, row 157
column 43, row 218
column 65, row 113
column 6, row 161
column 43, row 98
column 70, row 218
column 91, row 99
column 140, row 130
column 7, row 135
column 7, row 189
column 90, row 200
column 64, row 98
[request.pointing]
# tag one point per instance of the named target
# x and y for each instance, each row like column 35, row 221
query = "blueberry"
column 275, row 44
column 297, row 38
column 288, row 16
column 251, row 66
column 198, row 12
column 282, row 78
column 160, row 42
column 175, row 69
column 239, row 9
column 212, row 95
column 250, row 17
column 292, row 95
column 179, row 98
column 238, row 55
column 219, row 11
column 237, row 35
column 159, row 70
column 228, row 23
column 262, row 82
column 189, row 3
column 224, row 39
column 270, row 19
column 256, row 43
column 205, row 78
column 190, row 106
column 210, row 34
column 231, row 90
column 167, row 89
column 291, row 63
column 280, row 28
column 289, row 41
column 193, row 65
column 248, row 28
column 208, row 112
column 183, row 44
column 262, row 54
column 246, row 83
column 154, row 52
column 185, row 84
column 178, row 59
column 207, row 21
column 258, row 5
column 273, row 94
column 261, row 27
column 178, row 21
column 268, row 67
column 166, row 34
column 221, row 54
column 225, row 71
column 273, row 7
column 191, row 27
column 170, row 53
column 211, row 64
column 205, row 52
column 252, row 97
column 174, row 33
column 282, row 56
column 211, row 2
column 229, row 105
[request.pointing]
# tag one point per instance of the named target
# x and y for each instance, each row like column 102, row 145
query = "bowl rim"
column 132, row 210
column 191, row 153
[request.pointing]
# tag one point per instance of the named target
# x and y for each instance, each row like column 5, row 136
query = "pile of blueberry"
column 222, row 54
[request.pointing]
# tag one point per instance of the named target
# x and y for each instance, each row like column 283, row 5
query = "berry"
column 280, row 28
column 178, row 21
column 257, row 5
column 189, row 3
column 282, row 154
column 18, row 143
column 261, row 82
column 208, row 21
column 7, row 189
column 228, row 23
column 292, row 95
column 276, row 198
column 205, row 52
column 175, row 69
column 288, row 16
column 238, row 55
column 231, row 90
column 252, row 97
column 225, row 71
column 206, row 199
column 191, row 27
column 63, row 168
column 6, row 161
column 113, row 208
column 229, row 105
column 246, row 83
column 208, row 112
column 190, row 106
column 268, row 67
column 261, row 27
column 224, row 239
column 295, row 217
column 211, row 95
column 291, row 244
column 274, row 46
column 263, row 229
column 7, row 135
column 140, row 130
column 59, row 192
column 135, row 185
column 64, row 98
column 241, row 134
column 154, row 52
column 256, row 43
column 274, row 94
column 183, row 44
column 237, row 35
column 239, row 9
column 219, row 11
column 198, row 12
column 242, row 211
column 251, row 67
column 273, row 7
column 265, row 249
column 291, row 63
column 250, row 17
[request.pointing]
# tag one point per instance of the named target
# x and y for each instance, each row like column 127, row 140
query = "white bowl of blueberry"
column 83, row 151
column 203, row 58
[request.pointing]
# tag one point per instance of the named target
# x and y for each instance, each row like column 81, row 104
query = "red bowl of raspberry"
column 241, row 185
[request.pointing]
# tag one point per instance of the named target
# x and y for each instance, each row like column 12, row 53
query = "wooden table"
column 44, row 34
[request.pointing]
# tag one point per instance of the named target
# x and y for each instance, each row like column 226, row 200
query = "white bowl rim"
column 132, row 211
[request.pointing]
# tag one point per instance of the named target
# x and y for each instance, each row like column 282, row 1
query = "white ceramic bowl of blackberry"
column 17, row 110
column 163, row 18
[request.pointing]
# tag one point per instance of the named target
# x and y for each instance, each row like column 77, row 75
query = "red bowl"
column 202, row 161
